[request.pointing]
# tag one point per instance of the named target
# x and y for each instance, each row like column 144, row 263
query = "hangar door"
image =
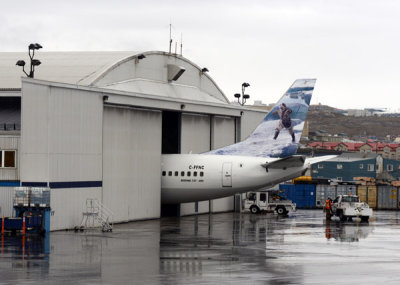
column 195, row 133
column 132, row 162
column 195, row 138
column 224, row 131
column 223, row 134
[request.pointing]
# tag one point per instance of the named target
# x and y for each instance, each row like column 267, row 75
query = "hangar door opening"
column 171, row 128
column 171, row 143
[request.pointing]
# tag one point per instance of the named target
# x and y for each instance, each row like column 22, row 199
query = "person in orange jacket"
column 328, row 208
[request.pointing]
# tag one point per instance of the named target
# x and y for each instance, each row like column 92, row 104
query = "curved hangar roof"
column 158, row 73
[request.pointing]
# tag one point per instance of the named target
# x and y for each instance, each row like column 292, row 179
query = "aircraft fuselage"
column 198, row 177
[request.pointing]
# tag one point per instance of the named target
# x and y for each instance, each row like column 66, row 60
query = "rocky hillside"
column 330, row 120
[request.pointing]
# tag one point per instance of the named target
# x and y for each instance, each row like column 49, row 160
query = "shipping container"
column 301, row 194
column 346, row 190
column 372, row 196
column 323, row 192
column 362, row 193
column 287, row 191
column 387, row 197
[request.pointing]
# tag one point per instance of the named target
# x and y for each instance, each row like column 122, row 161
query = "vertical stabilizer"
column 279, row 133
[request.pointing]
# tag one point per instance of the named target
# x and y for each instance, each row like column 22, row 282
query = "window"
column 350, row 199
column 339, row 166
column 252, row 196
column 176, row 173
column 182, row 173
column 263, row 197
column 195, row 173
column 169, row 173
column 361, row 166
column 320, row 166
column 340, row 179
column 164, row 173
column 188, row 173
column 7, row 158
column 201, row 173
column 362, row 150
column 390, row 167
column 370, row 167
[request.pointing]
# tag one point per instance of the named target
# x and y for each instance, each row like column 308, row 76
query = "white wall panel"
column 249, row 122
column 223, row 134
column 190, row 208
column 223, row 131
column 195, row 138
column 34, row 132
column 6, row 201
column 67, row 206
column 195, row 133
column 132, row 163
column 75, row 129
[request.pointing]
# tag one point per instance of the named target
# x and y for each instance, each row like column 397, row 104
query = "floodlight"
column 237, row 95
column 204, row 69
column 36, row 62
column 20, row 63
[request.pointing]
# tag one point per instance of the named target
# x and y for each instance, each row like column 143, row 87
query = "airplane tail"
column 279, row 133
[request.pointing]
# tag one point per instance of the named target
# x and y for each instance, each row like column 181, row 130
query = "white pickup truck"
column 347, row 207
column 267, row 201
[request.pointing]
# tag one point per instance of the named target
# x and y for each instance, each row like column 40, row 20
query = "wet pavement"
column 226, row 248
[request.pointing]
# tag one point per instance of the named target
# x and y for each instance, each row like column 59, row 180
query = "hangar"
column 95, row 124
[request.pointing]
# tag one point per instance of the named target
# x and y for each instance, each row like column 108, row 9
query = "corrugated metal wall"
column 132, row 163
column 6, row 201
column 196, row 138
column 249, row 122
column 62, row 142
column 387, row 197
column 67, row 206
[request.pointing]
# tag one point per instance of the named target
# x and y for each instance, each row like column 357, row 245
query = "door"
column 227, row 174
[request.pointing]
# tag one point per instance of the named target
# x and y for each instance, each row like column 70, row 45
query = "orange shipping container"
column 362, row 193
column 372, row 196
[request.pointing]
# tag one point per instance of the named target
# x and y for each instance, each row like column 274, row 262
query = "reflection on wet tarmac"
column 221, row 248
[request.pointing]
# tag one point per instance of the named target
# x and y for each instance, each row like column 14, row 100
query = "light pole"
column 243, row 96
column 34, row 62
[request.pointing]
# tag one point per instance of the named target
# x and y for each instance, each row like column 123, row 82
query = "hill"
column 334, row 122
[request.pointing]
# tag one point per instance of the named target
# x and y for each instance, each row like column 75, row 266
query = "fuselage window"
column 195, row 173
column 201, row 173
column 169, row 173
column 182, row 173
column 188, row 173
column 164, row 173
column 176, row 173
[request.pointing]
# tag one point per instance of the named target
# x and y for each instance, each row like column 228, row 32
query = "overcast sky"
column 352, row 47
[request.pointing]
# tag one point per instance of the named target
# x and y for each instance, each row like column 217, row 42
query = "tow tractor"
column 347, row 207
column 269, row 201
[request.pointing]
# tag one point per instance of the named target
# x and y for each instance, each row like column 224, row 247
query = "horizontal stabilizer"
column 312, row 160
column 287, row 162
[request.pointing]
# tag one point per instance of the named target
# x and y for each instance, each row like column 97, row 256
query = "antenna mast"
column 170, row 37
column 181, row 44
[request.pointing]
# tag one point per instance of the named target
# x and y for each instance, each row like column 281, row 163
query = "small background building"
column 347, row 166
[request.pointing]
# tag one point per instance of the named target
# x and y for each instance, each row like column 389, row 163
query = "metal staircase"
column 96, row 215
